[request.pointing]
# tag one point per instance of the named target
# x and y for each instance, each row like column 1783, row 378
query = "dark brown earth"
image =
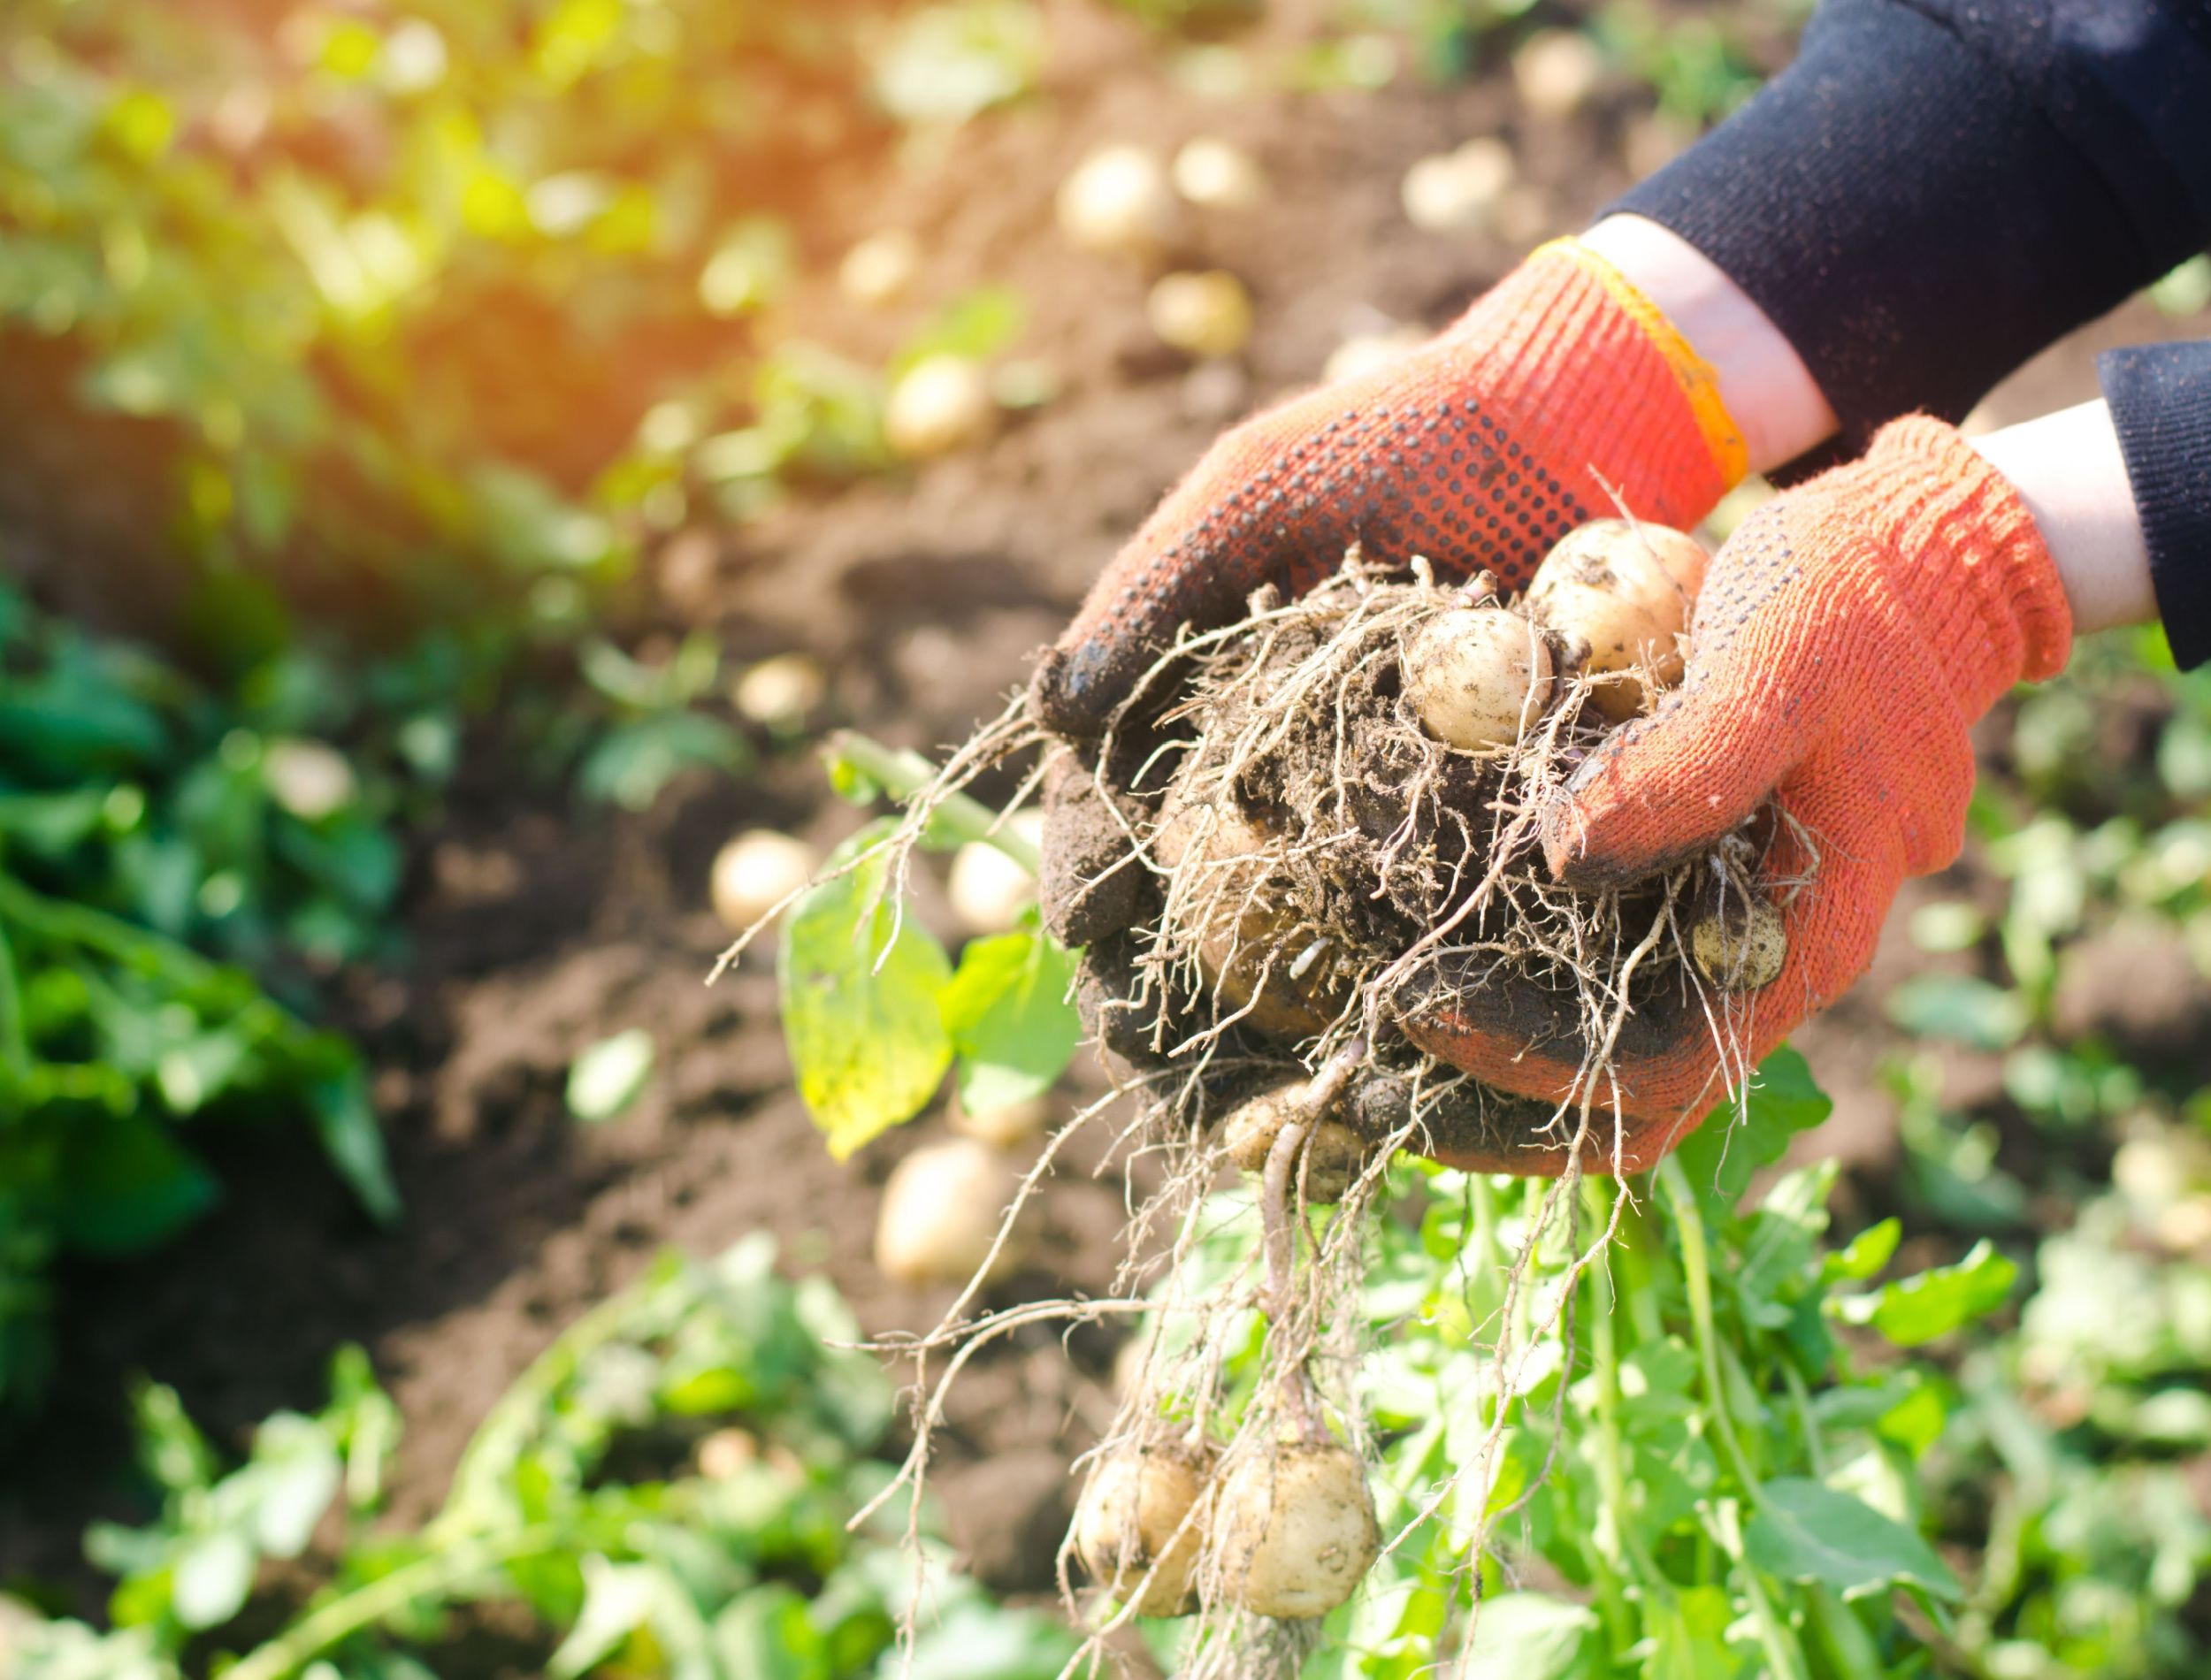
column 538, row 927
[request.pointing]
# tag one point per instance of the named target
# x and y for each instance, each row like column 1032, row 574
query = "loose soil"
column 536, row 927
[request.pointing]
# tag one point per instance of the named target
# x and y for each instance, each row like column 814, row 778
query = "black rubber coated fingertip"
column 1074, row 693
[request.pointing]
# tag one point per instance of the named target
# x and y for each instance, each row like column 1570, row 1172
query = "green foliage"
column 874, row 1010
column 145, row 823
column 446, row 297
column 667, row 1489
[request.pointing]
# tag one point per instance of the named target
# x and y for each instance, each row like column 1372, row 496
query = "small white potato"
column 1206, row 315
column 989, row 891
column 1618, row 595
column 876, row 272
column 1117, row 201
column 1741, row 946
column 1477, row 676
column 1217, row 174
column 781, row 692
column 941, row 1212
column 1454, row 192
column 1133, row 1527
column 1294, row 1533
column 754, row 873
column 309, row 779
column 942, row 404
column 1555, row 71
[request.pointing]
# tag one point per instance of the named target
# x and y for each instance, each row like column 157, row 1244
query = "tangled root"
column 1274, row 866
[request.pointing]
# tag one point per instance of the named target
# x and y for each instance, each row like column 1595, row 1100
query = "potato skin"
column 940, row 1214
column 1476, row 676
column 1250, row 936
column 1335, row 1153
column 1618, row 594
column 1739, row 948
column 1294, row 1533
column 1132, row 1527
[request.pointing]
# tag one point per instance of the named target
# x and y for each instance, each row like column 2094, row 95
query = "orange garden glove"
column 1480, row 449
column 1847, row 639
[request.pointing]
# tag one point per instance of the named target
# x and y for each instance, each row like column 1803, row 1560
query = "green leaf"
column 211, row 1578
column 1960, row 1007
column 765, row 1634
column 1914, row 1310
column 1529, row 1635
column 617, row 1598
column 1012, row 1025
column 1720, row 1156
column 294, row 1475
column 1865, row 1254
column 126, row 1184
column 979, row 1641
column 860, row 992
column 1807, row 1531
column 977, row 326
column 345, row 1121
column 1689, row 1634
column 634, row 761
column 607, row 1077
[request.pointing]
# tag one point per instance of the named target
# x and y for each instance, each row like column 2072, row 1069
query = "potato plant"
column 1653, row 1426
column 176, row 867
column 666, row 1491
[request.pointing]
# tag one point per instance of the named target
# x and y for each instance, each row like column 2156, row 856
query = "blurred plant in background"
column 665, row 1490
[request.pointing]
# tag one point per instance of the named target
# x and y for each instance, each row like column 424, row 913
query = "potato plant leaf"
column 1011, row 1023
column 859, row 993
column 1721, row 1154
column 1916, row 1309
column 1529, row 1635
column 126, row 1184
column 1805, row 1530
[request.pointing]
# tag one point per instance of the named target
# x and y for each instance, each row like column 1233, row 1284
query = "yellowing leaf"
column 860, row 1012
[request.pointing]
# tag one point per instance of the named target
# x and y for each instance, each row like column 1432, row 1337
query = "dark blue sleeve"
column 2160, row 402
column 1937, row 190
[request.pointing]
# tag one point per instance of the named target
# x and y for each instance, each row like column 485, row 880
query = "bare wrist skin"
column 1768, row 391
column 2068, row 469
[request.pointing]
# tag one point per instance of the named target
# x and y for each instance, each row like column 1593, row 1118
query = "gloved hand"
column 1480, row 449
column 1847, row 639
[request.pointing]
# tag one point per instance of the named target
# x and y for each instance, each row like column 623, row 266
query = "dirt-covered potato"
column 1618, row 593
column 1294, row 1533
column 1740, row 945
column 1477, row 676
column 1139, row 1526
column 1245, row 936
column 1333, row 1154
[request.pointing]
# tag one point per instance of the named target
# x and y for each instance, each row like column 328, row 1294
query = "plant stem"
column 1697, row 1266
column 1781, row 1648
column 365, row 1606
column 1620, row 1545
column 903, row 773
column 15, row 1044
column 513, row 1416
